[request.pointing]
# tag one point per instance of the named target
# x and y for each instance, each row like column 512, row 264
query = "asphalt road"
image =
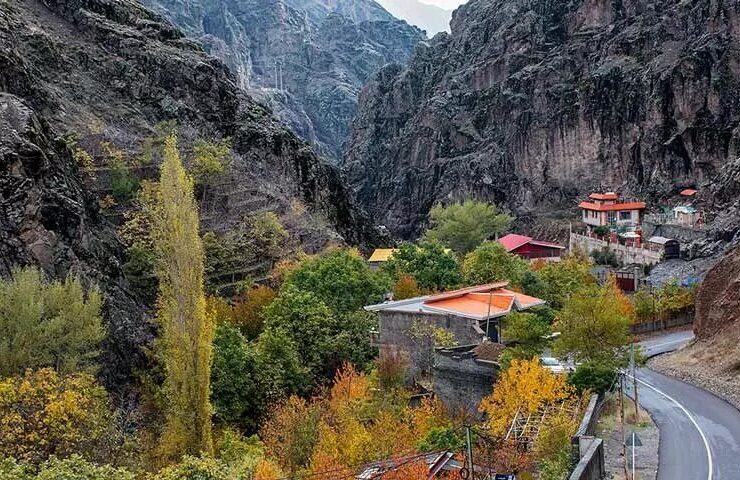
column 699, row 432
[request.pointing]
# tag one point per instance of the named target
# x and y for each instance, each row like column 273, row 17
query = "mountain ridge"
column 532, row 104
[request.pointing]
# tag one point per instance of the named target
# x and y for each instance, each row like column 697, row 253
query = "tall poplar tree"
column 186, row 330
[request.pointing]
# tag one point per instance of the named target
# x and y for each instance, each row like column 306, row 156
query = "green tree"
column 533, row 285
column 341, row 279
column 441, row 438
column 593, row 376
column 433, row 267
column 302, row 316
column 464, row 226
column 47, row 324
column 186, row 330
column 564, row 278
column 236, row 384
column 247, row 377
column 210, row 159
column 490, row 262
column 283, row 372
column 529, row 333
column 594, row 326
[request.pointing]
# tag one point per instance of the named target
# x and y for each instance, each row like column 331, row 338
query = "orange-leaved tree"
column 524, row 387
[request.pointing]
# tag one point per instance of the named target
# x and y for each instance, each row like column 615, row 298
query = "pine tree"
column 186, row 330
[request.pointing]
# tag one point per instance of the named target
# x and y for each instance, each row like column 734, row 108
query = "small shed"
column 670, row 247
column 686, row 215
column 379, row 257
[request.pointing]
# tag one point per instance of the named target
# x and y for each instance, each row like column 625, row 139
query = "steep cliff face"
column 531, row 103
column 307, row 58
column 718, row 300
column 113, row 69
column 47, row 219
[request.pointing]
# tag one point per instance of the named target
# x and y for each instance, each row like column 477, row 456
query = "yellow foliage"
column 43, row 414
column 406, row 287
column 187, row 330
column 349, row 387
column 267, row 470
column 525, row 386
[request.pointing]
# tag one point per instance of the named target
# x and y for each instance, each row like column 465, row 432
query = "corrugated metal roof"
column 381, row 255
column 481, row 302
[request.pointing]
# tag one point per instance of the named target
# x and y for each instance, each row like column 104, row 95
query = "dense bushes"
column 47, row 324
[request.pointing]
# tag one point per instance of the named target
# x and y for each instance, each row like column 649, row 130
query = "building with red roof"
column 530, row 249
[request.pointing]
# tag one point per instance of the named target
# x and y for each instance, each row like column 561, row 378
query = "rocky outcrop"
column 532, row 103
column 113, row 69
column 718, row 300
column 307, row 59
column 47, row 219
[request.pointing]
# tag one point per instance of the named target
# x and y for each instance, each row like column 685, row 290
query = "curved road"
column 699, row 432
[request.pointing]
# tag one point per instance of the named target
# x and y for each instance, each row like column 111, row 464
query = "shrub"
column 594, row 377
column 123, row 183
column 192, row 468
column 77, row 468
column 47, row 324
column 44, row 414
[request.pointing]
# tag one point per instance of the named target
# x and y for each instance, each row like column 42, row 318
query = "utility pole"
column 621, row 415
column 469, row 447
column 634, row 383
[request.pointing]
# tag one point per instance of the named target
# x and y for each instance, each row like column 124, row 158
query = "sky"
column 447, row 4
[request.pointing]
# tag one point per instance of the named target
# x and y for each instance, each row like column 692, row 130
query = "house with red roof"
column 530, row 249
column 469, row 314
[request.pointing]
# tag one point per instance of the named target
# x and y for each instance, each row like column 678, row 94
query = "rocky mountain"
column 112, row 70
column 532, row 103
column 308, row 59
column 429, row 18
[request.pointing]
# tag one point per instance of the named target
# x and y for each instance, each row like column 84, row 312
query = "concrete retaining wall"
column 685, row 318
column 588, row 450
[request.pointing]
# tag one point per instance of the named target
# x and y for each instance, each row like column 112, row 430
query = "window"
column 625, row 215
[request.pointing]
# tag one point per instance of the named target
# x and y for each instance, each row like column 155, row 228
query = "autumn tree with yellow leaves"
column 187, row 331
column 524, row 387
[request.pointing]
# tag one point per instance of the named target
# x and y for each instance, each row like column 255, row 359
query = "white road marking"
column 691, row 418
column 668, row 343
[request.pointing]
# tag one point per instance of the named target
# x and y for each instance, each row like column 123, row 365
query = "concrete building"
column 469, row 314
column 606, row 209
column 530, row 249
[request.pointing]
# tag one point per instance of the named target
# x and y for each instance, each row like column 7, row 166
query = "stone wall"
column 461, row 380
column 393, row 336
column 681, row 233
column 626, row 255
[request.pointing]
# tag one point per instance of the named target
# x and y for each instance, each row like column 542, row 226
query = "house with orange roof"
column 469, row 314
column 607, row 209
